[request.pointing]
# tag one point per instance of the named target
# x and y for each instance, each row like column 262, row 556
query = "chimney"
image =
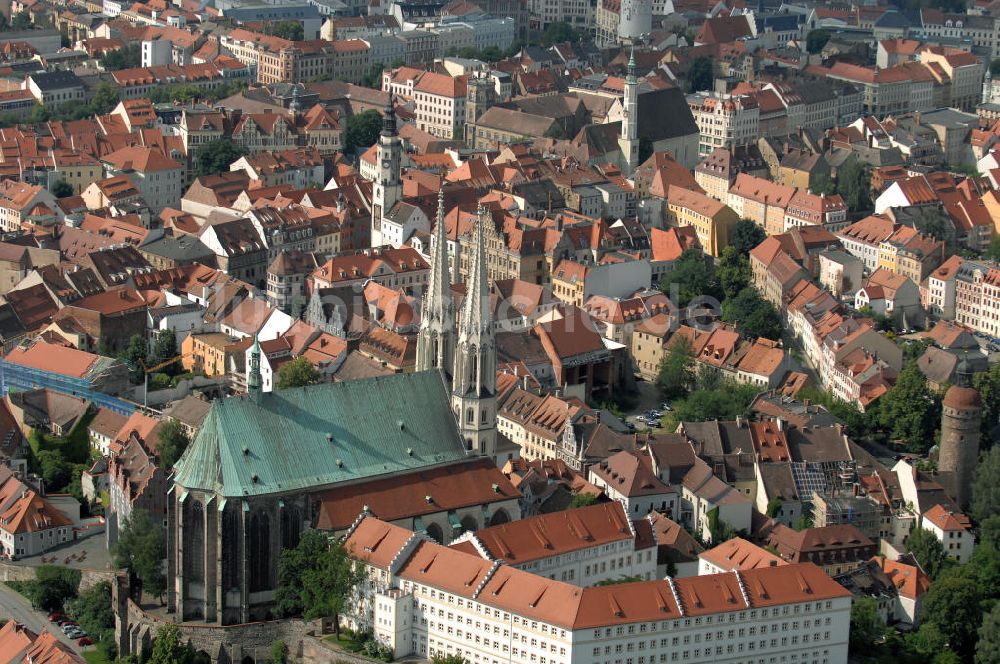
column 916, row 118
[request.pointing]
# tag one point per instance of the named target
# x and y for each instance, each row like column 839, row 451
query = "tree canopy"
column 816, row 40
column 854, row 185
column 297, row 373
column 866, row 624
column 290, row 30
column 361, row 130
column 986, row 486
column 215, row 157
column 987, row 383
column 127, row 57
column 694, row 276
column 753, row 315
column 676, row 373
column 952, row 605
column 910, row 411
column 928, row 551
column 701, row 75
column 62, row 189
column 746, row 235
column 173, row 442
column 316, row 579
column 141, row 550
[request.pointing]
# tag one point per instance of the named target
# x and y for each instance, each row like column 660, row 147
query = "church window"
column 194, row 549
column 259, row 559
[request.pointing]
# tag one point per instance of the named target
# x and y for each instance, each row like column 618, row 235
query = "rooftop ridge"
column 409, row 546
column 677, row 595
column 743, row 589
column 486, row 577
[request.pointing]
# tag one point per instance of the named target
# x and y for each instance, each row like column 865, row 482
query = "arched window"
column 469, row 524
column 291, row 527
column 232, row 549
column 194, row 544
column 259, row 559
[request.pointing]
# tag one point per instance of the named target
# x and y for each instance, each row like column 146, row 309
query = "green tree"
column 694, row 276
column 127, row 57
column 986, row 486
column 168, row 649
column 62, row 189
column 361, row 130
column 292, row 566
column 173, row 442
column 106, row 97
column 373, row 77
column 134, row 356
column 746, row 236
column 733, row 272
column 930, row 220
column 993, row 250
column 93, row 610
column 448, row 659
column 854, row 185
column 816, row 40
column 21, row 21
column 928, row 551
column 867, row 625
column 297, row 373
column 753, row 315
column 583, row 499
column 701, row 75
column 952, row 605
column 215, row 157
column 724, row 403
column 559, row 32
column 773, row 507
column 987, row 383
column 317, row 579
column 290, row 30
column 676, row 372
column 279, row 652
column 165, row 348
column 909, row 411
column 38, row 115
column 56, row 471
column 141, row 550
column 988, row 646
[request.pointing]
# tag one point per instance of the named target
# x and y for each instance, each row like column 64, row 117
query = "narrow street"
column 15, row 607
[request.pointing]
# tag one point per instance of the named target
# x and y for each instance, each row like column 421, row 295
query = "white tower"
column 388, row 186
column 628, row 140
column 436, row 341
column 474, row 378
column 636, row 20
column 988, row 87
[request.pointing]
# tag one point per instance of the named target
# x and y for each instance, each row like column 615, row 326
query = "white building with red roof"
column 29, row 523
column 425, row 599
column 953, row 529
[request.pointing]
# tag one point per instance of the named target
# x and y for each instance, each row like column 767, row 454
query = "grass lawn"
column 95, row 656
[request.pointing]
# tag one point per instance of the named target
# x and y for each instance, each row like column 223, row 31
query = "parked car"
column 84, row 641
column 69, row 627
column 56, row 616
column 666, row 407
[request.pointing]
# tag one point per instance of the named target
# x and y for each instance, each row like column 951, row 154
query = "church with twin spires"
column 263, row 464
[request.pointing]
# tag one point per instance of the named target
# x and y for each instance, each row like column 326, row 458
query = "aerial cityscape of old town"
column 500, row 331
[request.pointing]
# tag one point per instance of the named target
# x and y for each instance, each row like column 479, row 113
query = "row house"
column 724, row 120
column 713, row 221
column 401, row 268
column 808, row 209
column 760, row 201
column 893, row 91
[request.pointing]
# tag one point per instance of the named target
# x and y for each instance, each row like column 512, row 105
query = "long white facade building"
column 425, row 599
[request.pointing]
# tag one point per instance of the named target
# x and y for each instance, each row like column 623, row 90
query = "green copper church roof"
column 309, row 437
